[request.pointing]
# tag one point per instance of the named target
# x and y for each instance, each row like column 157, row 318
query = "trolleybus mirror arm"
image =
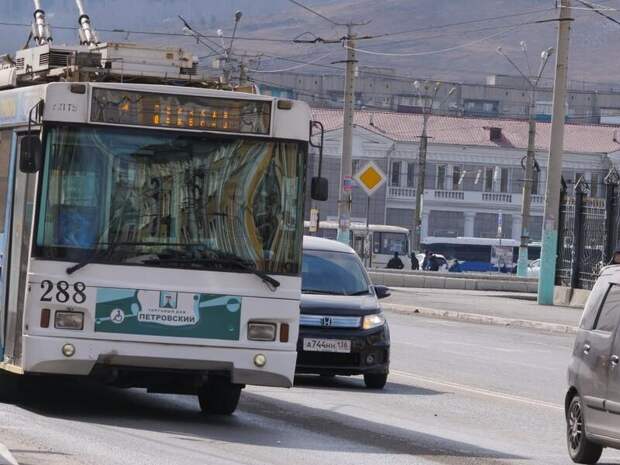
column 319, row 189
column 30, row 154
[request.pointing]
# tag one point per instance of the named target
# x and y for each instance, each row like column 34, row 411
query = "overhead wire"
column 309, row 63
column 432, row 52
column 456, row 47
column 157, row 33
column 463, row 23
column 314, row 12
column 590, row 7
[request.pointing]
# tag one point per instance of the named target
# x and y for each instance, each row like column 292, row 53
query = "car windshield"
column 335, row 273
column 171, row 199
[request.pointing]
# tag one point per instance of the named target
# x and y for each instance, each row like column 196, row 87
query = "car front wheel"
column 375, row 380
column 580, row 448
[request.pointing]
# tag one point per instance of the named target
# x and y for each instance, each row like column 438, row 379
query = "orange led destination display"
column 130, row 108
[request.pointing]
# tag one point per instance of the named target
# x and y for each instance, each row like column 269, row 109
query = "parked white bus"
column 152, row 233
column 492, row 251
column 382, row 240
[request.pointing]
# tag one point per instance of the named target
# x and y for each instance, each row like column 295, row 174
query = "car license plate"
column 327, row 345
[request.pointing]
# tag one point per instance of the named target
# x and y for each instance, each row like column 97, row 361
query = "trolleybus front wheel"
column 219, row 396
column 10, row 386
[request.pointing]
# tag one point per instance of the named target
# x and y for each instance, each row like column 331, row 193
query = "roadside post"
column 370, row 178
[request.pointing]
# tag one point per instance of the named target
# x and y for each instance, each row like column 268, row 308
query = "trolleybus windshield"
column 170, row 199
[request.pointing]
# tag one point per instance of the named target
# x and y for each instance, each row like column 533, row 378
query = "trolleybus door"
column 7, row 156
column 15, row 270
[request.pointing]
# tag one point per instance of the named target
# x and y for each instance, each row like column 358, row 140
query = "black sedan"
column 342, row 328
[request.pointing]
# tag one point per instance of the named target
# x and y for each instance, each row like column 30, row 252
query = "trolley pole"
column 546, row 282
column 346, row 162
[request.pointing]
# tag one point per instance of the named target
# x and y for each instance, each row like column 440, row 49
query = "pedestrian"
column 426, row 262
column 395, row 262
column 415, row 264
column 434, row 263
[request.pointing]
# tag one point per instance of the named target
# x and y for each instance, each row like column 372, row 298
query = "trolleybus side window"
column 390, row 242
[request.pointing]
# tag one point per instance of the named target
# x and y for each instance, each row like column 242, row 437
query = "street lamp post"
column 530, row 159
column 427, row 108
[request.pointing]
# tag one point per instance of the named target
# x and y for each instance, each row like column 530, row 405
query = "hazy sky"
column 135, row 14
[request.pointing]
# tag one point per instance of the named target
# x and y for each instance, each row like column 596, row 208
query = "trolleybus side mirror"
column 319, row 189
column 30, row 154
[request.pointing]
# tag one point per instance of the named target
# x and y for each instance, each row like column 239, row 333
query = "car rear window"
column 590, row 311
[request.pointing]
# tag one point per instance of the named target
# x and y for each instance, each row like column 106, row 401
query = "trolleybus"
column 152, row 232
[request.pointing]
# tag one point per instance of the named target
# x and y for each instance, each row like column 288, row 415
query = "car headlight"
column 373, row 321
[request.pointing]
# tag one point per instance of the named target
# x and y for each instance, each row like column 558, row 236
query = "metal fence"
column 588, row 233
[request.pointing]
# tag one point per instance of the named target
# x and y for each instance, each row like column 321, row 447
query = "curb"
column 6, row 458
column 481, row 319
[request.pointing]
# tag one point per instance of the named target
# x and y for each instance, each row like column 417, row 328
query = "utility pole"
column 419, row 190
column 346, row 162
column 530, row 159
column 546, row 281
column 427, row 109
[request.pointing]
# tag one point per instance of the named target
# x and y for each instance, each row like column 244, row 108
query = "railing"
column 453, row 195
column 402, row 192
column 496, row 197
column 482, row 198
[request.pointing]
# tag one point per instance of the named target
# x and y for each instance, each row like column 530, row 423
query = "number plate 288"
column 63, row 292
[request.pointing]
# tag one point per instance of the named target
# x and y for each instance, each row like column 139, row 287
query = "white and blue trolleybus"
column 152, row 226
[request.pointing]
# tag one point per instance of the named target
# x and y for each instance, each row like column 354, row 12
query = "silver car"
column 592, row 403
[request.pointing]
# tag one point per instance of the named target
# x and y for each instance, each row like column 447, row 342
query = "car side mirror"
column 319, row 189
column 382, row 291
column 30, row 154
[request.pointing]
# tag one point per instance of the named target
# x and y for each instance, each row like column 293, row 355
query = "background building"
column 473, row 172
column 500, row 96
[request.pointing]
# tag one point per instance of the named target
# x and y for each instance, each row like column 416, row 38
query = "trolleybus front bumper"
column 49, row 355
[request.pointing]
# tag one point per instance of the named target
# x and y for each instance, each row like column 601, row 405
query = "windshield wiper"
column 364, row 292
column 96, row 254
column 222, row 260
column 320, row 291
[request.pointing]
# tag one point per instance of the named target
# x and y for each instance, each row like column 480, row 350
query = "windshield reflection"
column 171, row 199
column 334, row 273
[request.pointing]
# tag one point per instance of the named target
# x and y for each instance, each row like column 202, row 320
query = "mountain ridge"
column 472, row 45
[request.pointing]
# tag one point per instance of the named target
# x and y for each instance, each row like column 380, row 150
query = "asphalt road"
column 458, row 394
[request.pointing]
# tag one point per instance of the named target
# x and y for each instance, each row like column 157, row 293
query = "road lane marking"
column 476, row 390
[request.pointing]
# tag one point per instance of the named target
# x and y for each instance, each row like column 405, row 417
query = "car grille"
column 328, row 321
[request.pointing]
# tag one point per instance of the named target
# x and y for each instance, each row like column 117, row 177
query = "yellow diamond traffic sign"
column 370, row 178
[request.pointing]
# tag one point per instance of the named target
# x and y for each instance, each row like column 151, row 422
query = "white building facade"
column 474, row 175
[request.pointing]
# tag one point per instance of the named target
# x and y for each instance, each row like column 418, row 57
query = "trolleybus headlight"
column 260, row 360
column 373, row 321
column 68, row 350
column 261, row 331
column 69, row 320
